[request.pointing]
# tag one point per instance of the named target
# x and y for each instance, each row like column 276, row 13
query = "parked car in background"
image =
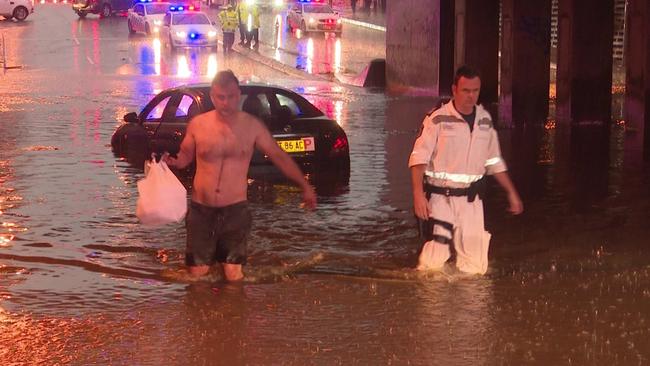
column 314, row 141
column 146, row 16
column 105, row 8
column 16, row 9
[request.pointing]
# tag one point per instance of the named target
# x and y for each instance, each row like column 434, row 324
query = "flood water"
column 83, row 283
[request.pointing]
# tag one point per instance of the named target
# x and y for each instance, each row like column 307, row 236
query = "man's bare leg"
column 232, row 272
column 198, row 271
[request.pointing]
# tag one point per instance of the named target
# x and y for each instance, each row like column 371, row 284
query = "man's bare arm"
column 267, row 144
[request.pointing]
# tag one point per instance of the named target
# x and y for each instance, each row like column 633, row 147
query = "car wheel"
column 130, row 26
column 81, row 14
column 20, row 13
column 303, row 27
column 147, row 29
column 106, row 11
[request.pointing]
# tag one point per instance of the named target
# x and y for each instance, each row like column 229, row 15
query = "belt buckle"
column 447, row 192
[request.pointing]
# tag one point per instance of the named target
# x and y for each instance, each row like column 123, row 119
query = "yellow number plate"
column 299, row 145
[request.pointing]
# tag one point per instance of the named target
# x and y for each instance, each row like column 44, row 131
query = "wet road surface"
column 81, row 282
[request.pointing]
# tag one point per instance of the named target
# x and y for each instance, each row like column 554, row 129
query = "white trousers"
column 468, row 236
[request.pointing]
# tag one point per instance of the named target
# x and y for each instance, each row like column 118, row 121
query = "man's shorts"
column 217, row 234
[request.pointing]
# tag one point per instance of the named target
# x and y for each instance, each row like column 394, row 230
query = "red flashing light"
column 340, row 145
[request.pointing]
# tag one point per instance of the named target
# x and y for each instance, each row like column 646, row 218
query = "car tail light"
column 340, row 146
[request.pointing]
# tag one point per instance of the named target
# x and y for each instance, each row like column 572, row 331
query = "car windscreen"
column 318, row 9
column 190, row 18
column 157, row 8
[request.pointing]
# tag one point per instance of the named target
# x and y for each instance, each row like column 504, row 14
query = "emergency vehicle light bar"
column 177, row 8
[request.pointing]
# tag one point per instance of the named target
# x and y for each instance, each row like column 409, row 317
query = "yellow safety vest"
column 229, row 20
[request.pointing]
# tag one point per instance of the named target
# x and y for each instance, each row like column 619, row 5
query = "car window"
column 255, row 104
column 167, row 19
column 190, row 18
column 187, row 107
column 157, row 8
column 156, row 112
column 286, row 101
column 138, row 9
column 322, row 9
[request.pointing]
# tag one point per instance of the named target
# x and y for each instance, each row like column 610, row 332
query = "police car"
column 314, row 16
column 185, row 26
column 146, row 16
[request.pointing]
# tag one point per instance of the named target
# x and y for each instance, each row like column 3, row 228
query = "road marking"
column 75, row 40
column 89, row 60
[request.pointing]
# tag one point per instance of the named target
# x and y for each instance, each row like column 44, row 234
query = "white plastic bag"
column 162, row 198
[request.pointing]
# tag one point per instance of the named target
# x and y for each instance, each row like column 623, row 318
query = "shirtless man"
column 222, row 142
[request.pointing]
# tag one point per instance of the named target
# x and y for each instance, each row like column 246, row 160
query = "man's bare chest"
column 218, row 144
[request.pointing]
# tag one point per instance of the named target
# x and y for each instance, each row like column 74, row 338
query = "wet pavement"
column 81, row 282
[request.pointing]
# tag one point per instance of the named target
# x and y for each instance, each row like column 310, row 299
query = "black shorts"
column 217, row 234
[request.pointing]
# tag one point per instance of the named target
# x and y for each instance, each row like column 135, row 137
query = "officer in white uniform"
column 457, row 146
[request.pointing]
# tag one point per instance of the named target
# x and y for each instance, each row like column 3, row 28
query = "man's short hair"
column 225, row 77
column 466, row 72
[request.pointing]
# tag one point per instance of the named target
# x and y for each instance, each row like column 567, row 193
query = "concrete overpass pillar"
column 637, row 75
column 525, row 62
column 477, row 43
column 419, row 46
column 584, row 61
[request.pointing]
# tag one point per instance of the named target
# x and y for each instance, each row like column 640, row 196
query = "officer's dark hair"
column 466, row 72
column 225, row 77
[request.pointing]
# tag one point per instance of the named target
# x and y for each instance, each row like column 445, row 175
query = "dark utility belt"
column 475, row 189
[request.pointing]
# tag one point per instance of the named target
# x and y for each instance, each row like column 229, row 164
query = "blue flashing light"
column 176, row 8
column 145, row 1
column 193, row 35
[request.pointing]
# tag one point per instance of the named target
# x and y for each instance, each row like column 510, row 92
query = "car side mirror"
column 131, row 117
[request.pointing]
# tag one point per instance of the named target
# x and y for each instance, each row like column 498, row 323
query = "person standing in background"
column 241, row 9
column 353, row 4
column 229, row 21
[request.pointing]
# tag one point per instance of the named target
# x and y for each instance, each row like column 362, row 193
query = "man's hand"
column 308, row 197
column 168, row 159
column 516, row 206
column 421, row 206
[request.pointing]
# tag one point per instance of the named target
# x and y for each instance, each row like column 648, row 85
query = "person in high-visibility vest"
column 241, row 10
column 251, row 18
column 229, row 22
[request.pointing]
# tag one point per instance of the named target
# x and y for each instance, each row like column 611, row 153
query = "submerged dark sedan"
column 312, row 139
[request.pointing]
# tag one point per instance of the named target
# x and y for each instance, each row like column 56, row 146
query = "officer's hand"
column 421, row 207
column 516, row 206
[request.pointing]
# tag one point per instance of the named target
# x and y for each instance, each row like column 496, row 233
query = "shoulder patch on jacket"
column 485, row 122
column 444, row 118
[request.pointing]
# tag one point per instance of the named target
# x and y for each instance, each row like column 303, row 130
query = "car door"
column 136, row 21
column 4, row 7
column 182, row 107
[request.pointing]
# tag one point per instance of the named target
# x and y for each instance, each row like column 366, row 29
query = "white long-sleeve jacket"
column 456, row 157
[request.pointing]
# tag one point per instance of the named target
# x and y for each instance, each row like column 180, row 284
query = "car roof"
column 242, row 84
